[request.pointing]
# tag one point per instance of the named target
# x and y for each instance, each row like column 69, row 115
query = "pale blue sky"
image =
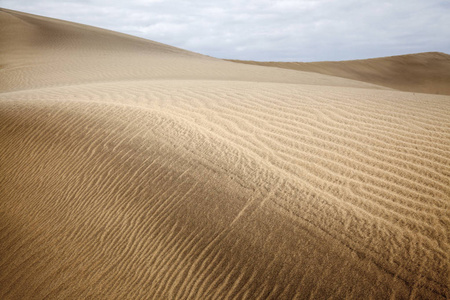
column 283, row 30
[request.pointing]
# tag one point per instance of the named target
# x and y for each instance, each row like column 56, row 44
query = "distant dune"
column 131, row 169
column 420, row 73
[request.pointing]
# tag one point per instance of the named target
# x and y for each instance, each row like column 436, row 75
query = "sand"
column 134, row 170
column 419, row 73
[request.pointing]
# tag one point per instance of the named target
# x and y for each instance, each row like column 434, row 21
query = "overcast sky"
column 268, row 30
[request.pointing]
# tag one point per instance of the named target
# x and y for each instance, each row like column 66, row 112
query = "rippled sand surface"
column 134, row 170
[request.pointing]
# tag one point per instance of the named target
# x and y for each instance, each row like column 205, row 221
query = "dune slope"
column 40, row 52
column 156, row 173
column 420, row 73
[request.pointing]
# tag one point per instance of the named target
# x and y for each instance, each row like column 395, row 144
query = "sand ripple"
column 120, row 184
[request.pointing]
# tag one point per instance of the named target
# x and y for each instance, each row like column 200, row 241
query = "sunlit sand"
column 131, row 169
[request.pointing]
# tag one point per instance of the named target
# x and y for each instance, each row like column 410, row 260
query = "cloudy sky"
column 268, row 30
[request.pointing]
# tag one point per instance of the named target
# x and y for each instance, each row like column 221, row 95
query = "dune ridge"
column 50, row 52
column 427, row 72
column 157, row 173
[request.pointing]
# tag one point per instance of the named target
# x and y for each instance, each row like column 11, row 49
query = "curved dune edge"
column 228, row 188
column 38, row 52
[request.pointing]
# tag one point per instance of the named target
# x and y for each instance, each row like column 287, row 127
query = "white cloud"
column 300, row 30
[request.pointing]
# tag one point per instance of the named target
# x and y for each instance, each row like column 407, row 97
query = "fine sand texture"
column 134, row 170
column 420, row 73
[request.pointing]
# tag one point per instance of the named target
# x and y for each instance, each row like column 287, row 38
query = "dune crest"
column 41, row 52
column 420, row 73
column 136, row 170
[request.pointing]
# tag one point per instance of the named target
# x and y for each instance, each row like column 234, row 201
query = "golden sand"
column 134, row 170
column 420, row 73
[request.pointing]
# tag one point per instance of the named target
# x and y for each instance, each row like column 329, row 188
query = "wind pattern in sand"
column 135, row 170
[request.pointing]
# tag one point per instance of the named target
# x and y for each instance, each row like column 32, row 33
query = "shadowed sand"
column 135, row 170
column 420, row 73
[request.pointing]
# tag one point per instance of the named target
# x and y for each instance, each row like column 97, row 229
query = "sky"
column 267, row 30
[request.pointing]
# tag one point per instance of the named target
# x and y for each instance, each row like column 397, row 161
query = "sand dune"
column 50, row 52
column 134, row 170
column 420, row 73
